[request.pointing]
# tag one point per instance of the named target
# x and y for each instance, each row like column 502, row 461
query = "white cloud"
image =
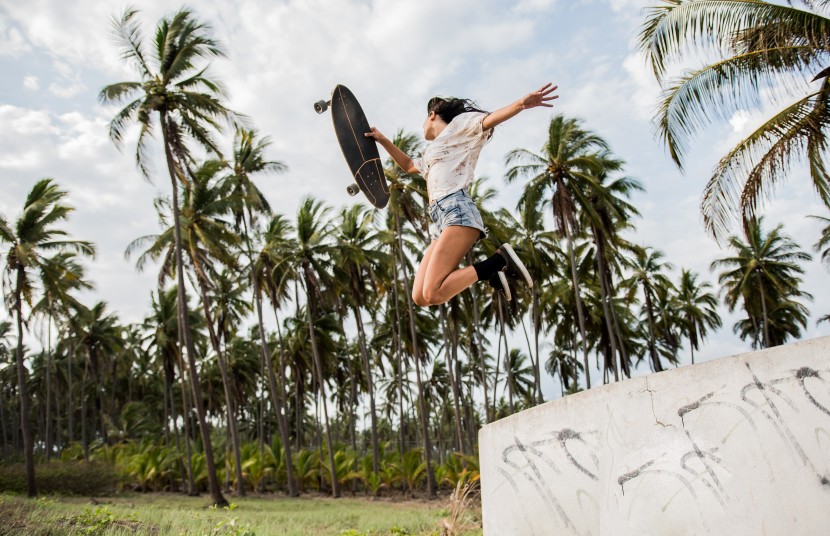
column 533, row 6
column 12, row 42
column 31, row 83
column 283, row 56
column 66, row 90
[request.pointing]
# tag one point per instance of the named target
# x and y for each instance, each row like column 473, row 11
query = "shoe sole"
column 505, row 287
column 519, row 264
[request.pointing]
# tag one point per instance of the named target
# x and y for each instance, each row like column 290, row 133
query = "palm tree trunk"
column 184, row 327
column 476, row 346
column 764, row 311
column 22, row 389
column 451, row 342
column 335, row 485
column 277, row 392
column 605, row 298
column 49, row 389
column 579, row 310
column 398, row 349
column 84, row 436
column 624, row 361
column 3, row 427
column 230, row 404
column 186, row 413
column 655, row 361
column 361, row 339
column 431, row 485
column 537, row 327
column 508, row 366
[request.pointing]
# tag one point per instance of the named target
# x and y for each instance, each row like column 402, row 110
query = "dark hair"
column 447, row 108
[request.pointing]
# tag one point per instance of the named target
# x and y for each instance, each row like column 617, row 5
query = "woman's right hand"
column 375, row 134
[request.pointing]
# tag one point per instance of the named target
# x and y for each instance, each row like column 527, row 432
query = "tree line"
column 355, row 388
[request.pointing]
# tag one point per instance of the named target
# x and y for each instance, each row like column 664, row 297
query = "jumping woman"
column 457, row 131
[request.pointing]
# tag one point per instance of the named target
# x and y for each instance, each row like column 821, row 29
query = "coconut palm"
column 29, row 239
column 355, row 245
column 648, row 272
column 824, row 241
column 100, row 335
column 270, row 271
column 407, row 204
column 249, row 159
column 208, row 238
column 566, row 167
column 174, row 88
column 698, row 309
column 762, row 275
column 520, row 377
column 60, row 276
column 754, row 48
column 162, row 339
column 613, row 214
column 310, row 262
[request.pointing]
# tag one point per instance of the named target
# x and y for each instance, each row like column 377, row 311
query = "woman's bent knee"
column 419, row 299
column 434, row 297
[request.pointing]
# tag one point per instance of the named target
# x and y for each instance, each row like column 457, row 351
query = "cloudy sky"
column 282, row 56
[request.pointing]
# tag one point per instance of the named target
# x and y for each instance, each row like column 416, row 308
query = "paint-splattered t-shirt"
column 448, row 163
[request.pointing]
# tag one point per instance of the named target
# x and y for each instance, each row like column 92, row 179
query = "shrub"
column 66, row 478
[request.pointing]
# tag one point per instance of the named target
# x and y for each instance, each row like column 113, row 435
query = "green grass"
column 162, row 514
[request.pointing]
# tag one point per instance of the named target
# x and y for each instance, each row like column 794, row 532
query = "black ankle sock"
column 489, row 266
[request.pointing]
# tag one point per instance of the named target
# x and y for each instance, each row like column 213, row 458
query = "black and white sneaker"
column 515, row 268
column 499, row 282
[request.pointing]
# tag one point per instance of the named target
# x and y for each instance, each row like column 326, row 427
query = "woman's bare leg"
column 442, row 277
column 418, row 283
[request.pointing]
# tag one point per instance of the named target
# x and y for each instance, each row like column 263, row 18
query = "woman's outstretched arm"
column 541, row 97
column 400, row 157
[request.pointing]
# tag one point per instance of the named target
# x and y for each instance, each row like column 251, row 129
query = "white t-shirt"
column 449, row 161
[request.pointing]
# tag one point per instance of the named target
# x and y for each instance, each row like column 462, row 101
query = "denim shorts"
column 456, row 208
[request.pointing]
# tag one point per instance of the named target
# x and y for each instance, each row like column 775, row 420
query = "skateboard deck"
column 360, row 152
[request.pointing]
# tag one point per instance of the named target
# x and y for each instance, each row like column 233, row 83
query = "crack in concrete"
column 654, row 413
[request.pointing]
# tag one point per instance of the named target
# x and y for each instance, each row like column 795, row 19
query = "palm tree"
column 34, row 234
column 210, row 242
column 613, row 215
column 162, row 337
column 824, row 241
column 697, row 307
column 542, row 255
column 520, row 383
column 249, row 159
column 648, row 273
column 270, row 271
column 762, row 274
column 60, row 276
column 758, row 47
column 188, row 106
column 311, row 261
column 100, row 334
column 407, row 204
column 567, row 167
column 359, row 261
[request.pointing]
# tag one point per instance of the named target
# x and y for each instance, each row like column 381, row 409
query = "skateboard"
column 360, row 152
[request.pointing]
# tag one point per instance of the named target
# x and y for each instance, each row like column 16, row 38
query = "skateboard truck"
column 353, row 189
column 321, row 106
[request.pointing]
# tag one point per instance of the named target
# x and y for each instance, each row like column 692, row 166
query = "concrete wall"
column 737, row 446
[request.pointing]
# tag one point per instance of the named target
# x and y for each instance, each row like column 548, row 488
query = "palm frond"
column 127, row 31
column 679, row 27
column 749, row 172
column 717, row 91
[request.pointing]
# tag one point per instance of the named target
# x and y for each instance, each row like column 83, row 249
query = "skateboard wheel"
column 353, row 189
column 321, row 106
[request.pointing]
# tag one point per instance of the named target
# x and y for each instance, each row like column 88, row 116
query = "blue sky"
column 282, row 56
